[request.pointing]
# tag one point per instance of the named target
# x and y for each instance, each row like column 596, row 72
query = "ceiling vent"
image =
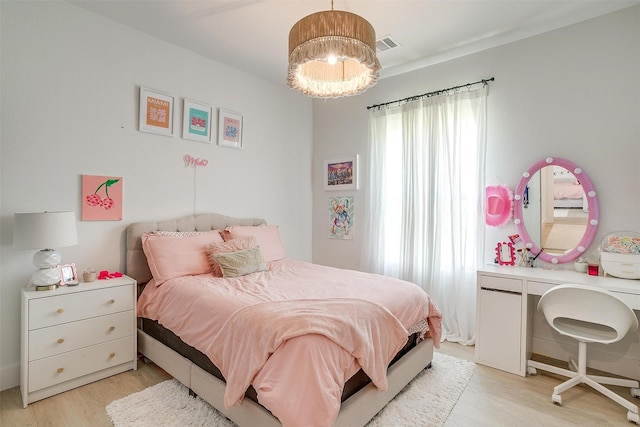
column 386, row 43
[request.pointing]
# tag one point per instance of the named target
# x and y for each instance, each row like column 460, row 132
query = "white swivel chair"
column 589, row 315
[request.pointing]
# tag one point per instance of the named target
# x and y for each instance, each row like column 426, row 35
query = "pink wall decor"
column 101, row 198
column 194, row 161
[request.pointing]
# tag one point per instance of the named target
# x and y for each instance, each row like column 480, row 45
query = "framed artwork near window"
column 341, row 174
column 156, row 112
column 341, row 217
column 229, row 129
column 196, row 123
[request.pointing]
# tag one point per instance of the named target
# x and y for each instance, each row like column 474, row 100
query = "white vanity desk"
column 507, row 301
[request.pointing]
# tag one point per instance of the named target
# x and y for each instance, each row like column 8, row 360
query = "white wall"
column 69, row 106
column 569, row 93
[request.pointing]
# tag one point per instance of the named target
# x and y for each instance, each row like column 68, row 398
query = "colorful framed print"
column 156, row 112
column 341, row 217
column 101, row 198
column 196, row 123
column 341, row 174
column 229, row 129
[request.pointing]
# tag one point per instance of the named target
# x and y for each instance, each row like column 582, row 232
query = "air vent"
column 386, row 43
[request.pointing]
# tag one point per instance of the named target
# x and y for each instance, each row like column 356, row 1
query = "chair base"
column 594, row 381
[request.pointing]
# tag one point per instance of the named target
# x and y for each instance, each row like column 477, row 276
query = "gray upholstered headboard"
column 137, row 266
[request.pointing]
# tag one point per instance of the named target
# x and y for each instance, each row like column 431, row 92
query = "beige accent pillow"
column 241, row 263
column 233, row 245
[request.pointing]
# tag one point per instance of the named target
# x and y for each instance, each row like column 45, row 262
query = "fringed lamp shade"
column 332, row 54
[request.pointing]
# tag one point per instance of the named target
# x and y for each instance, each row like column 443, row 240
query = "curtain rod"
column 427, row 95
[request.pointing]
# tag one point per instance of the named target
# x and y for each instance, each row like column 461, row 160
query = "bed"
column 279, row 295
column 567, row 191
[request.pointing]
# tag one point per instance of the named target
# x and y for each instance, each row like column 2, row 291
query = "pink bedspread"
column 567, row 190
column 304, row 367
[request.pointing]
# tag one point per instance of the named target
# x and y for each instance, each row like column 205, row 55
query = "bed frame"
column 357, row 410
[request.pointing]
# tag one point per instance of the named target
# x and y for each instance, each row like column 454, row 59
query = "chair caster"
column 531, row 370
column 635, row 392
column 632, row 417
column 557, row 399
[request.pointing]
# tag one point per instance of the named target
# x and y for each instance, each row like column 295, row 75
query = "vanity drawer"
column 65, row 308
column 539, row 288
column 500, row 284
column 67, row 366
column 58, row 339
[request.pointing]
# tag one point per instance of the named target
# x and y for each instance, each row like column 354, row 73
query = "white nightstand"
column 75, row 335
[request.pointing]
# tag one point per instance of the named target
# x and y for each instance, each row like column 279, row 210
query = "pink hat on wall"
column 498, row 205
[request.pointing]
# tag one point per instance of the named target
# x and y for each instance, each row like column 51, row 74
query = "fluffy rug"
column 426, row 401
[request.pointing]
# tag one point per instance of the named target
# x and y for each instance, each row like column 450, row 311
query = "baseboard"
column 613, row 363
column 10, row 377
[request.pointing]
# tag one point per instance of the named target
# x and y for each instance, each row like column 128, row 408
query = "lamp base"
column 46, row 277
column 47, row 258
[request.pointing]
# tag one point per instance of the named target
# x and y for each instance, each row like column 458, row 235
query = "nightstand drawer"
column 67, row 366
column 58, row 339
column 64, row 308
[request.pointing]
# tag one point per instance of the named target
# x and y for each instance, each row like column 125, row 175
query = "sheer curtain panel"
column 424, row 190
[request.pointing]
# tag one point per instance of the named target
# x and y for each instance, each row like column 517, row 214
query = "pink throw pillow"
column 267, row 236
column 171, row 256
column 229, row 246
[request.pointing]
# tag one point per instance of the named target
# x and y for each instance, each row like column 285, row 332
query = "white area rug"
column 426, row 401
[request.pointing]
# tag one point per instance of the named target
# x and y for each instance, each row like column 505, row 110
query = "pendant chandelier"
column 332, row 54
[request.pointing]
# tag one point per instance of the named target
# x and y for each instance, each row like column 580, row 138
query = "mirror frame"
column 592, row 202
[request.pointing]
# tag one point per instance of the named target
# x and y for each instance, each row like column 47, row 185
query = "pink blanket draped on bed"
column 302, row 369
column 367, row 331
column 567, row 190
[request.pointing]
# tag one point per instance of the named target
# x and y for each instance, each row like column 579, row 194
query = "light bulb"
column 332, row 59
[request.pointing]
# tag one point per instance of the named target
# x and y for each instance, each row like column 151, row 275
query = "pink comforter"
column 567, row 190
column 309, row 365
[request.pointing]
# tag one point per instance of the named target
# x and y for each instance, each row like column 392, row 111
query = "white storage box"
column 620, row 255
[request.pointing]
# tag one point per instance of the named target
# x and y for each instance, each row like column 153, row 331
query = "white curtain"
column 425, row 186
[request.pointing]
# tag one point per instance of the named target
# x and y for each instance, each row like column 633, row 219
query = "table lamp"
column 45, row 230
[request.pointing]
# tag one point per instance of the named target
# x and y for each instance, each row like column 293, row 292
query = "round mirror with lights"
column 555, row 210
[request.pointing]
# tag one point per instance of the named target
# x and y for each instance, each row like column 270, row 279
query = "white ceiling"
column 252, row 35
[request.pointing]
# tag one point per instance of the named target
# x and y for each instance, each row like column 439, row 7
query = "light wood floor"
column 492, row 399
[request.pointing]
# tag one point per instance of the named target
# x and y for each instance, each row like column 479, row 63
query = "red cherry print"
column 94, row 200
column 107, row 203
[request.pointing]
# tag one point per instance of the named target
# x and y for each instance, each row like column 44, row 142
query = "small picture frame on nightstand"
column 68, row 275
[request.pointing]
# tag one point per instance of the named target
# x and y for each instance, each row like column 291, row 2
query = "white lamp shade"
column 44, row 230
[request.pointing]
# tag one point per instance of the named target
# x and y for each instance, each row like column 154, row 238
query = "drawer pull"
column 112, row 301
column 60, row 340
column 60, row 310
column 112, row 355
column 60, row 370
column 112, row 328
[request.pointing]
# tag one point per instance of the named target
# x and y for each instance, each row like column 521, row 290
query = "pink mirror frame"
column 592, row 203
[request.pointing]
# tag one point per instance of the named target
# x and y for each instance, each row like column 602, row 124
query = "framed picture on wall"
column 229, row 129
column 341, row 217
column 341, row 174
column 196, row 123
column 101, row 198
column 156, row 112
